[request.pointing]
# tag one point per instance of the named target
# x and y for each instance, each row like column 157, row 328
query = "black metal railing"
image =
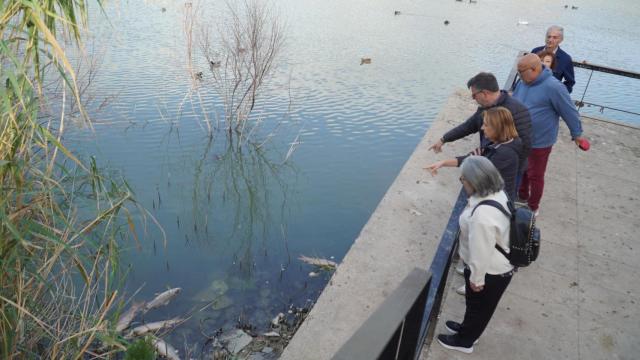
column 606, row 69
column 392, row 331
column 439, row 269
column 512, row 79
column 399, row 327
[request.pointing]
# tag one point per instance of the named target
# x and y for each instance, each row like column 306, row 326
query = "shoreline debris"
column 320, row 262
column 164, row 349
column 125, row 320
column 277, row 320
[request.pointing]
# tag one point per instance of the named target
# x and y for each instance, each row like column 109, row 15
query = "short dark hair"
column 484, row 81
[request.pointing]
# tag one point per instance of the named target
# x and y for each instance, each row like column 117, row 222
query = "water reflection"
column 231, row 209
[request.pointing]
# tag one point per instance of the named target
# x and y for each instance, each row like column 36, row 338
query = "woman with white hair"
column 487, row 272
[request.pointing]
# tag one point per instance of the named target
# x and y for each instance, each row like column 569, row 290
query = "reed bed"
column 61, row 219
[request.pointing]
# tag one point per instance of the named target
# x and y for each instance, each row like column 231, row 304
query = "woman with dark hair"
column 487, row 272
column 503, row 150
column 548, row 58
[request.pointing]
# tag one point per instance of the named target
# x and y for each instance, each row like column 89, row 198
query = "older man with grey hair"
column 563, row 68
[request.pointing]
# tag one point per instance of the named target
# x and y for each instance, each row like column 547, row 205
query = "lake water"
column 238, row 216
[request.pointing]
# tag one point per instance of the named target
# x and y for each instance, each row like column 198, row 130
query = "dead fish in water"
column 154, row 326
column 127, row 317
column 162, row 299
column 324, row 263
column 165, row 349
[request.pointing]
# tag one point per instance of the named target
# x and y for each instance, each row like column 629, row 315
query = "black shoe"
column 454, row 328
column 453, row 342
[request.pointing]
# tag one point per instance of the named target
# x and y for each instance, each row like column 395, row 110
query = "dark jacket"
column 506, row 158
column 521, row 118
column 563, row 67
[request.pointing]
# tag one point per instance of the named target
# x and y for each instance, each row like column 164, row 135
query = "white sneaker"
column 460, row 268
column 461, row 290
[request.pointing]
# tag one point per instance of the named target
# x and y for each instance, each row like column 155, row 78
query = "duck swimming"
column 365, row 61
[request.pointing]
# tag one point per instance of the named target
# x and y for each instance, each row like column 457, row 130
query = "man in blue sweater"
column 547, row 100
column 563, row 68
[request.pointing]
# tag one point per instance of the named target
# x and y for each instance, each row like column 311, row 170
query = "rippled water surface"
column 236, row 217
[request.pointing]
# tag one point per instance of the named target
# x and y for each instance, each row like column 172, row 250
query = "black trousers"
column 481, row 305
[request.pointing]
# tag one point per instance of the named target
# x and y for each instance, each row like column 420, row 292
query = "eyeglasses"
column 523, row 71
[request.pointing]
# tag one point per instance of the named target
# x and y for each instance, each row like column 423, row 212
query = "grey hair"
column 482, row 175
column 557, row 28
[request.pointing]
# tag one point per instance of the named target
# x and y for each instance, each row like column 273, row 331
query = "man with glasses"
column 563, row 68
column 547, row 100
column 486, row 92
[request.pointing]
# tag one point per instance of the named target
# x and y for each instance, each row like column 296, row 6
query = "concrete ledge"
column 402, row 233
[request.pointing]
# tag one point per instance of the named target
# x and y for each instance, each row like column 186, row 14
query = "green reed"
column 60, row 219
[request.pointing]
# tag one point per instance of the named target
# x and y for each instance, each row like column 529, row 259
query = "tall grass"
column 60, row 218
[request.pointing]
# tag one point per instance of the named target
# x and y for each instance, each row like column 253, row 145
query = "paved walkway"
column 581, row 299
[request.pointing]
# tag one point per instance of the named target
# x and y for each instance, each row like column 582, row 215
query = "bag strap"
column 495, row 204
column 498, row 206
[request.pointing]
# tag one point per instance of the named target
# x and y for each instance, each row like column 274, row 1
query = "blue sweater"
column 563, row 68
column 547, row 100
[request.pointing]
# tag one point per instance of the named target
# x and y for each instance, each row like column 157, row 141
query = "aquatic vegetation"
column 241, row 60
column 141, row 349
column 61, row 219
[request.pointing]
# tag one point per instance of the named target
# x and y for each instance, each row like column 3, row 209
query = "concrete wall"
column 402, row 233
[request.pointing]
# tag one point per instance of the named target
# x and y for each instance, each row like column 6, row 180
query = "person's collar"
column 497, row 145
column 475, row 199
column 499, row 99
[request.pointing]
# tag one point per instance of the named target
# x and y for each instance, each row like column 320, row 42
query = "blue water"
column 241, row 213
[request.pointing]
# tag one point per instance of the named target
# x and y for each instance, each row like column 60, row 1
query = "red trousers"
column 532, row 183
